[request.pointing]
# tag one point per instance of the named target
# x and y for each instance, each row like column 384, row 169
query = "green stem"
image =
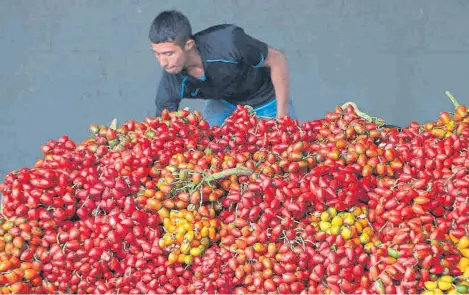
column 229, row 172
column 363, row 115
column 452, row 98
column 355, row 107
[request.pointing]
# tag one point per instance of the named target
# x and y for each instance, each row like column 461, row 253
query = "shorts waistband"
column 257, row 106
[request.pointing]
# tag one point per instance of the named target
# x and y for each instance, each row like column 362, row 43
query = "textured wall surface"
column 65, row 64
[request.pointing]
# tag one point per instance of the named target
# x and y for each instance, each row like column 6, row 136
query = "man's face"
column 171, row 56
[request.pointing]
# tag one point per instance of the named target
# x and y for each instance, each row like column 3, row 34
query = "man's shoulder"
column 217, row 31
column 223, row 33
column 217, row 41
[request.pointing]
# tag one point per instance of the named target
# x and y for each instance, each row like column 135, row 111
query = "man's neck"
column 195, row 66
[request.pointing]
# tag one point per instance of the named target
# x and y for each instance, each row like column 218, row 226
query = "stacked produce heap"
column 336, row 205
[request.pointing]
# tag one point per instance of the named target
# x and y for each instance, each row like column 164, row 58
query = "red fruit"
column 284, row 288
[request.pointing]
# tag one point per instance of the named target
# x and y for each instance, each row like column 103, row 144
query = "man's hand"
column 278, row 64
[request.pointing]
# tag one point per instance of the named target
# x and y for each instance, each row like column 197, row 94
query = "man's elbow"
column 275, row 57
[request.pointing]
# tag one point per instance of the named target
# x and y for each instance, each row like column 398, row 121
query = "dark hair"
column 170, row 26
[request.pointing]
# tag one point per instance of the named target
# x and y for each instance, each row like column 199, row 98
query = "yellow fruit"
column 346, row 233
column 180, row 230
column 163, row 212
column 348, row 219
column 213, row 222
column 437, row 291
column 189, row 217
column 185, row 247
column 447, row 279
column 463, row 263
column 357, row 211
column 364, row 238
column 466, row 273
column 176, row 214
column 172, row 258
column 188, row 259
column 8, row 225
column 204, row 232
column 259, row 247
column 325, row 216
column 179, row 237
column 324, row 225
column 173, row 214
column 430, row 285
column 212, row 233
column 337, row 221
column 195, row 251
column 452, row 291
column 204, row 241
column 167, row 239
column 364, row 222
column 167, row 222
column 189, row 236
column 335, row 229
column 444, row 285
column 212, row 213
column 182, row 258
column 161, row 243
column 368, row 231
column 154, row 205
column 465, row 252
column 463, row 243
column 332, row 211
column 358, row 226
column 368, row 247
column 427, row 292
column 453, row 238
column 172, row 228
column 365, row 210
column 187, row 227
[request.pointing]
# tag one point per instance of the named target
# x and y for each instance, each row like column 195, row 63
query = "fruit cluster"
column 342, row 204
column 187, row 234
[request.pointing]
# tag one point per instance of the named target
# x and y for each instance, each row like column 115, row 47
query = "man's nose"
column 163, row 62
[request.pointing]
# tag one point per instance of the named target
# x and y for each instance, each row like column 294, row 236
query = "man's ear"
column 190, row 44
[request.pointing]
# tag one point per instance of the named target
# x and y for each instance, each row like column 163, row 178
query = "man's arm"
column 278, row 64
column 167, row 96
column 259, row 54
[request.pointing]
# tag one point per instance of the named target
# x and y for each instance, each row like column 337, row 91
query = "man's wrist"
column 282, row 107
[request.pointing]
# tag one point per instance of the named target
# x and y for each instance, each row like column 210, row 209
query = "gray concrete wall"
column 65, row 64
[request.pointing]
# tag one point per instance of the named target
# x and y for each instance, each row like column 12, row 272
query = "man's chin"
column 173, row 71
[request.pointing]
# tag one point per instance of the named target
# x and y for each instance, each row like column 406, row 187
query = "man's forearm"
column 279, row 71
column 281, row 82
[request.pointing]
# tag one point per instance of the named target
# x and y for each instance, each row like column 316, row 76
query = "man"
column 221, row 64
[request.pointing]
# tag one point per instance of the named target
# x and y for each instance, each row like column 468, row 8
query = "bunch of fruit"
column 19, row 240
column 338, row 205
column 350, row 225
column 187, row 234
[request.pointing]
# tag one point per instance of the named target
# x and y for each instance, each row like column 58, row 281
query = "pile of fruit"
column 338, row 205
